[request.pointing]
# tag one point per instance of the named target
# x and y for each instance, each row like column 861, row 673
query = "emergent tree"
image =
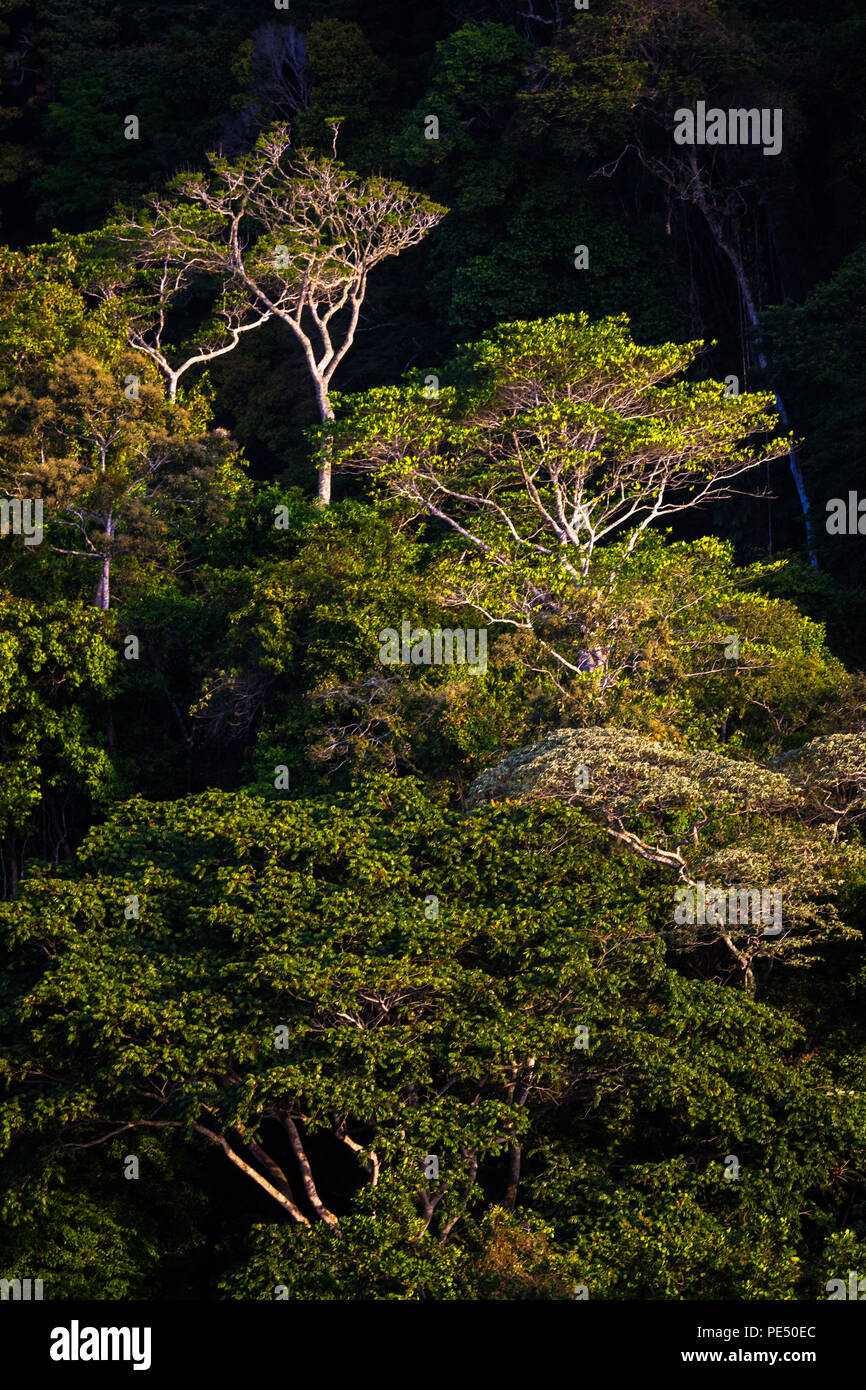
column 287, row 237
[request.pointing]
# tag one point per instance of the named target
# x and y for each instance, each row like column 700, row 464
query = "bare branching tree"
column 288, row 236
column 149, row 288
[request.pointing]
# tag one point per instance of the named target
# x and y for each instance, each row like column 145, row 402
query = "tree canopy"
column 432, row 696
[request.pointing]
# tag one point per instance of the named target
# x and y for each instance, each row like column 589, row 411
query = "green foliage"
column 57, row 666
column 508, row 248
column 733, row 825
column 475, row 76
column 451, row 1035
column 99, row 1235
column 432, row 879
column 350, row 79
column 171, row 70
column 818, row 346
column 45, row 314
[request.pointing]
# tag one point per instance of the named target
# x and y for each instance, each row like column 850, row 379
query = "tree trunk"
column 102, row 598
column 517, row 1095
column 306, row 1171
column 325, row 455
column 103, row 588
column 512, row 1179
column 725, row 245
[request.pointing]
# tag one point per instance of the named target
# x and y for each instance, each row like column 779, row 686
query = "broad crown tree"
column 548, row 442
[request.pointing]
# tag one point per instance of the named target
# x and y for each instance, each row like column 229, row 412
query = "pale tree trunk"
column 102, row 599
column 750, row 308
column 326, row 412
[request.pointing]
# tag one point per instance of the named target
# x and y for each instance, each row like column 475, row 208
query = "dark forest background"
column 239, row 824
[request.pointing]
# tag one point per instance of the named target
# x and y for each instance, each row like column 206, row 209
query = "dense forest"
column 433, row 628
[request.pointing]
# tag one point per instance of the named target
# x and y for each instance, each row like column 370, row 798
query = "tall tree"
column 555, row 439
column 295, row 237
column 640, row 64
